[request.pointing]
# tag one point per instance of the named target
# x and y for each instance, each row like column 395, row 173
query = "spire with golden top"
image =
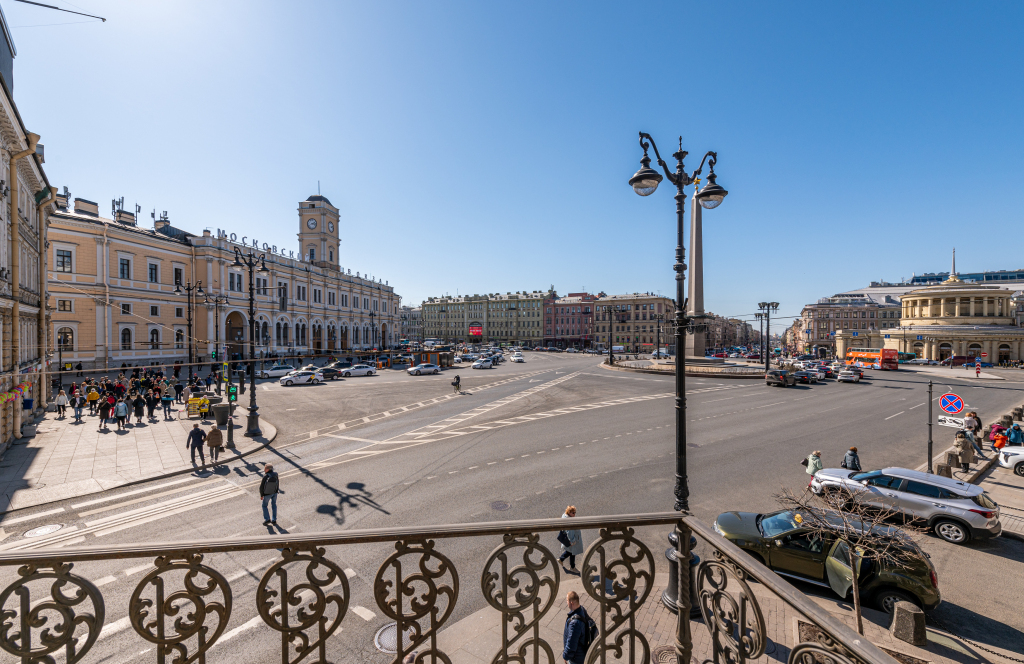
column 952, row 273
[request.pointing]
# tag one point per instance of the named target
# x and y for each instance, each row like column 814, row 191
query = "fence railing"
column 182, row 606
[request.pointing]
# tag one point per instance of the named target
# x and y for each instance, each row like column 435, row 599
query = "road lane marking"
column 131, row 493
column 364, row 613
column 21, row 519
column 917, row 406
column 897, row 414
column 358, row 440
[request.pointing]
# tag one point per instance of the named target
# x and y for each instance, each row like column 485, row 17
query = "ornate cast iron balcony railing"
column 182, row 605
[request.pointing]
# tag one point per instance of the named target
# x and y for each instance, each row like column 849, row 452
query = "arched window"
column 330, row 254
column 355, row 335
column 277, row 333
column 126, row 339
column 312, row 253
column 265, row 335
column 284, row 333
column 179, row 339
column 66, row 339
column 154, row 339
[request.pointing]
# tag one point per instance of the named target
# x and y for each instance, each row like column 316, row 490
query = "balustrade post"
column 684, row 594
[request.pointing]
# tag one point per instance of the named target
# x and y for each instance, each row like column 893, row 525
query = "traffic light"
column 232, row 393
column 213, row 355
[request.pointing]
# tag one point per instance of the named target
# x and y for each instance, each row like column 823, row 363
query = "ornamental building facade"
column 510, row 318
column 951, row 318
column 117, row 291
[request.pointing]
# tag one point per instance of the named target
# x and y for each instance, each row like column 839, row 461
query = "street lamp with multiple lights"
column 214, row 303
column 644, row 183
column 251, row 260
column 767, row 308
column 188, row 289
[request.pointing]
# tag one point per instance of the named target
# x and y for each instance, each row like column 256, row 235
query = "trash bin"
column 26, row 404
column 220, row 413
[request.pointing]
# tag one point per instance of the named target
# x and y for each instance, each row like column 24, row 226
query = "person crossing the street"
column 457, row 384
column 196, row 438
column 269, row 488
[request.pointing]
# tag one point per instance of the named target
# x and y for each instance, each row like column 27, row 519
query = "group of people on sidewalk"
column 139, row 394
column 850, row 461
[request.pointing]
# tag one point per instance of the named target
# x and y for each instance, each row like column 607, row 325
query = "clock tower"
column 318, row 231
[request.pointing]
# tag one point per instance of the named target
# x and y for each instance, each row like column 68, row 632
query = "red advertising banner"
column 476, row 331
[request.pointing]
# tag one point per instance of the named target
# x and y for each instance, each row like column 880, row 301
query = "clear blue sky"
column 486, row 146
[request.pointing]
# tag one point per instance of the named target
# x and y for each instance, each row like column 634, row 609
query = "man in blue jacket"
column 575, row 648
column 1015, row 436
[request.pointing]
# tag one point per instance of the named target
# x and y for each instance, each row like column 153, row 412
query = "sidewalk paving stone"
column 1007, row 489
column 67, row 459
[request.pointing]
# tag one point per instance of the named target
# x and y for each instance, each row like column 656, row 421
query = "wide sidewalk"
column 66, row 459
column 477, row 638
column 1007, row 489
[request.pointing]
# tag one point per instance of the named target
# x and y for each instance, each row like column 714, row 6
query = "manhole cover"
column 386, row 638
column 44, row 530
column 500, row 506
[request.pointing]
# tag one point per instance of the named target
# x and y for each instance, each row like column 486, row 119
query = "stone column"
column 956, row 307
column 984, row 306
column 695, row 288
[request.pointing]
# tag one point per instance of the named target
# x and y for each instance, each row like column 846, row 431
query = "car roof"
column 937, row 480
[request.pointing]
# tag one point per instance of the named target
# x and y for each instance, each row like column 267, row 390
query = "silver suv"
column 956, row 511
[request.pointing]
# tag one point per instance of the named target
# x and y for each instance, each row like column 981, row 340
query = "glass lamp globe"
column 712, row 195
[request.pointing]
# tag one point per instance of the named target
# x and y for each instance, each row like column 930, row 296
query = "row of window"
column 863, row 314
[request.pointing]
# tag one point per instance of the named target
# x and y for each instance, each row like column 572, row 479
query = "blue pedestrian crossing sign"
column 951, row 403
column 919, row 337
column 886, row 336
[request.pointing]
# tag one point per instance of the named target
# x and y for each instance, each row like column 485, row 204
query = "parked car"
column 1012, row 457
column 482, row 363
column 847, row 376
column 783, row 543
column 571, row 350
column 302, row 377
column 518, row 357
column 660, row 354
column 956, row 511
column 779, row 377
column 358, row 370
column 425, row 368
column 275, row 371
column 804, row 376
column 339, row 365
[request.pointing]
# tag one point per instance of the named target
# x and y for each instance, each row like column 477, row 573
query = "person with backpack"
column 167, row 400
column 851, row 461
column 269, row 488
column 121, row 412
column 579, row 633
column 457, row 384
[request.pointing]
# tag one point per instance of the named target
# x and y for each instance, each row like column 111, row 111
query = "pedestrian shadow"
column 355, row 497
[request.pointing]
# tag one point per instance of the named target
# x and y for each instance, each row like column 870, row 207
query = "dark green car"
column 778, row 541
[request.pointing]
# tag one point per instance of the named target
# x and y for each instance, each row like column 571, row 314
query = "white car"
column 518, row 357
column 571, row 350
column 1012, row 458
column 358, row 370
column 847, row 376
column 817, row 371
column 458, row 359
column 275, row 371
column 482, row 364
column 425, row 368
column 302, row 377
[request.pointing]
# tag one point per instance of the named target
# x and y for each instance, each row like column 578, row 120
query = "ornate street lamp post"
column 644, row 183
column 198, row 288
column 251, row 260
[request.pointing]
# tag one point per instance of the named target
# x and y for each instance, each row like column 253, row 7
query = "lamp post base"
column 252, row 425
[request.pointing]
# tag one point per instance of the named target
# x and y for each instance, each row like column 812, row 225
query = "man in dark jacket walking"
column 196, row 437
column 269, row 488
column 574, row 650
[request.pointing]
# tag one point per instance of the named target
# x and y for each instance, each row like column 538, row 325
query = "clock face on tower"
column 330, row 226
column 311, row 223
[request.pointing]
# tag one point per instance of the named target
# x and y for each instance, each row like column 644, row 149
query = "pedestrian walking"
column 813, row 462
column 62, row 404
column 269, row 488
column 215, row 441
column 970, row 426
column 121, row 413
column 140, row 407
column 166, row 400
column 93, row 397
column 852, row 460
column 151, row 403
column 104, row 410
column 78, row 368
column 571, row 541
column 78, row 402
column 195, row 440
column 178, row 389
column 965, row 451
column 579, row 630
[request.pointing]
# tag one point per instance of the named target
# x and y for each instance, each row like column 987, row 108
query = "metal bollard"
column 668, row 598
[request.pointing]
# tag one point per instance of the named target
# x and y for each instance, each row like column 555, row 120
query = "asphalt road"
column 524, row 441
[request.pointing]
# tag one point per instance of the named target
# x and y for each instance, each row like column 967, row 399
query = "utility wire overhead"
column 39, row 4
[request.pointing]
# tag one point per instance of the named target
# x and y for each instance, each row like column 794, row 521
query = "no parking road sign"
column 951, row 403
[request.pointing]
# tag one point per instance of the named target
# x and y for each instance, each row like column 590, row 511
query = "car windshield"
column 772, row 525
column 871, row 474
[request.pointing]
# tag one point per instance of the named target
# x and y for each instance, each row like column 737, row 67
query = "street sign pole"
column 930, row 427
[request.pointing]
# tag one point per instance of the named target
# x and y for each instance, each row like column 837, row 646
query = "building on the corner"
column 26, row 200
column 410, row 323
column 949, row 318
column 512, row 319
column 863, row 313
column 633, row 321
column 114, row 291
column 569, row 320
